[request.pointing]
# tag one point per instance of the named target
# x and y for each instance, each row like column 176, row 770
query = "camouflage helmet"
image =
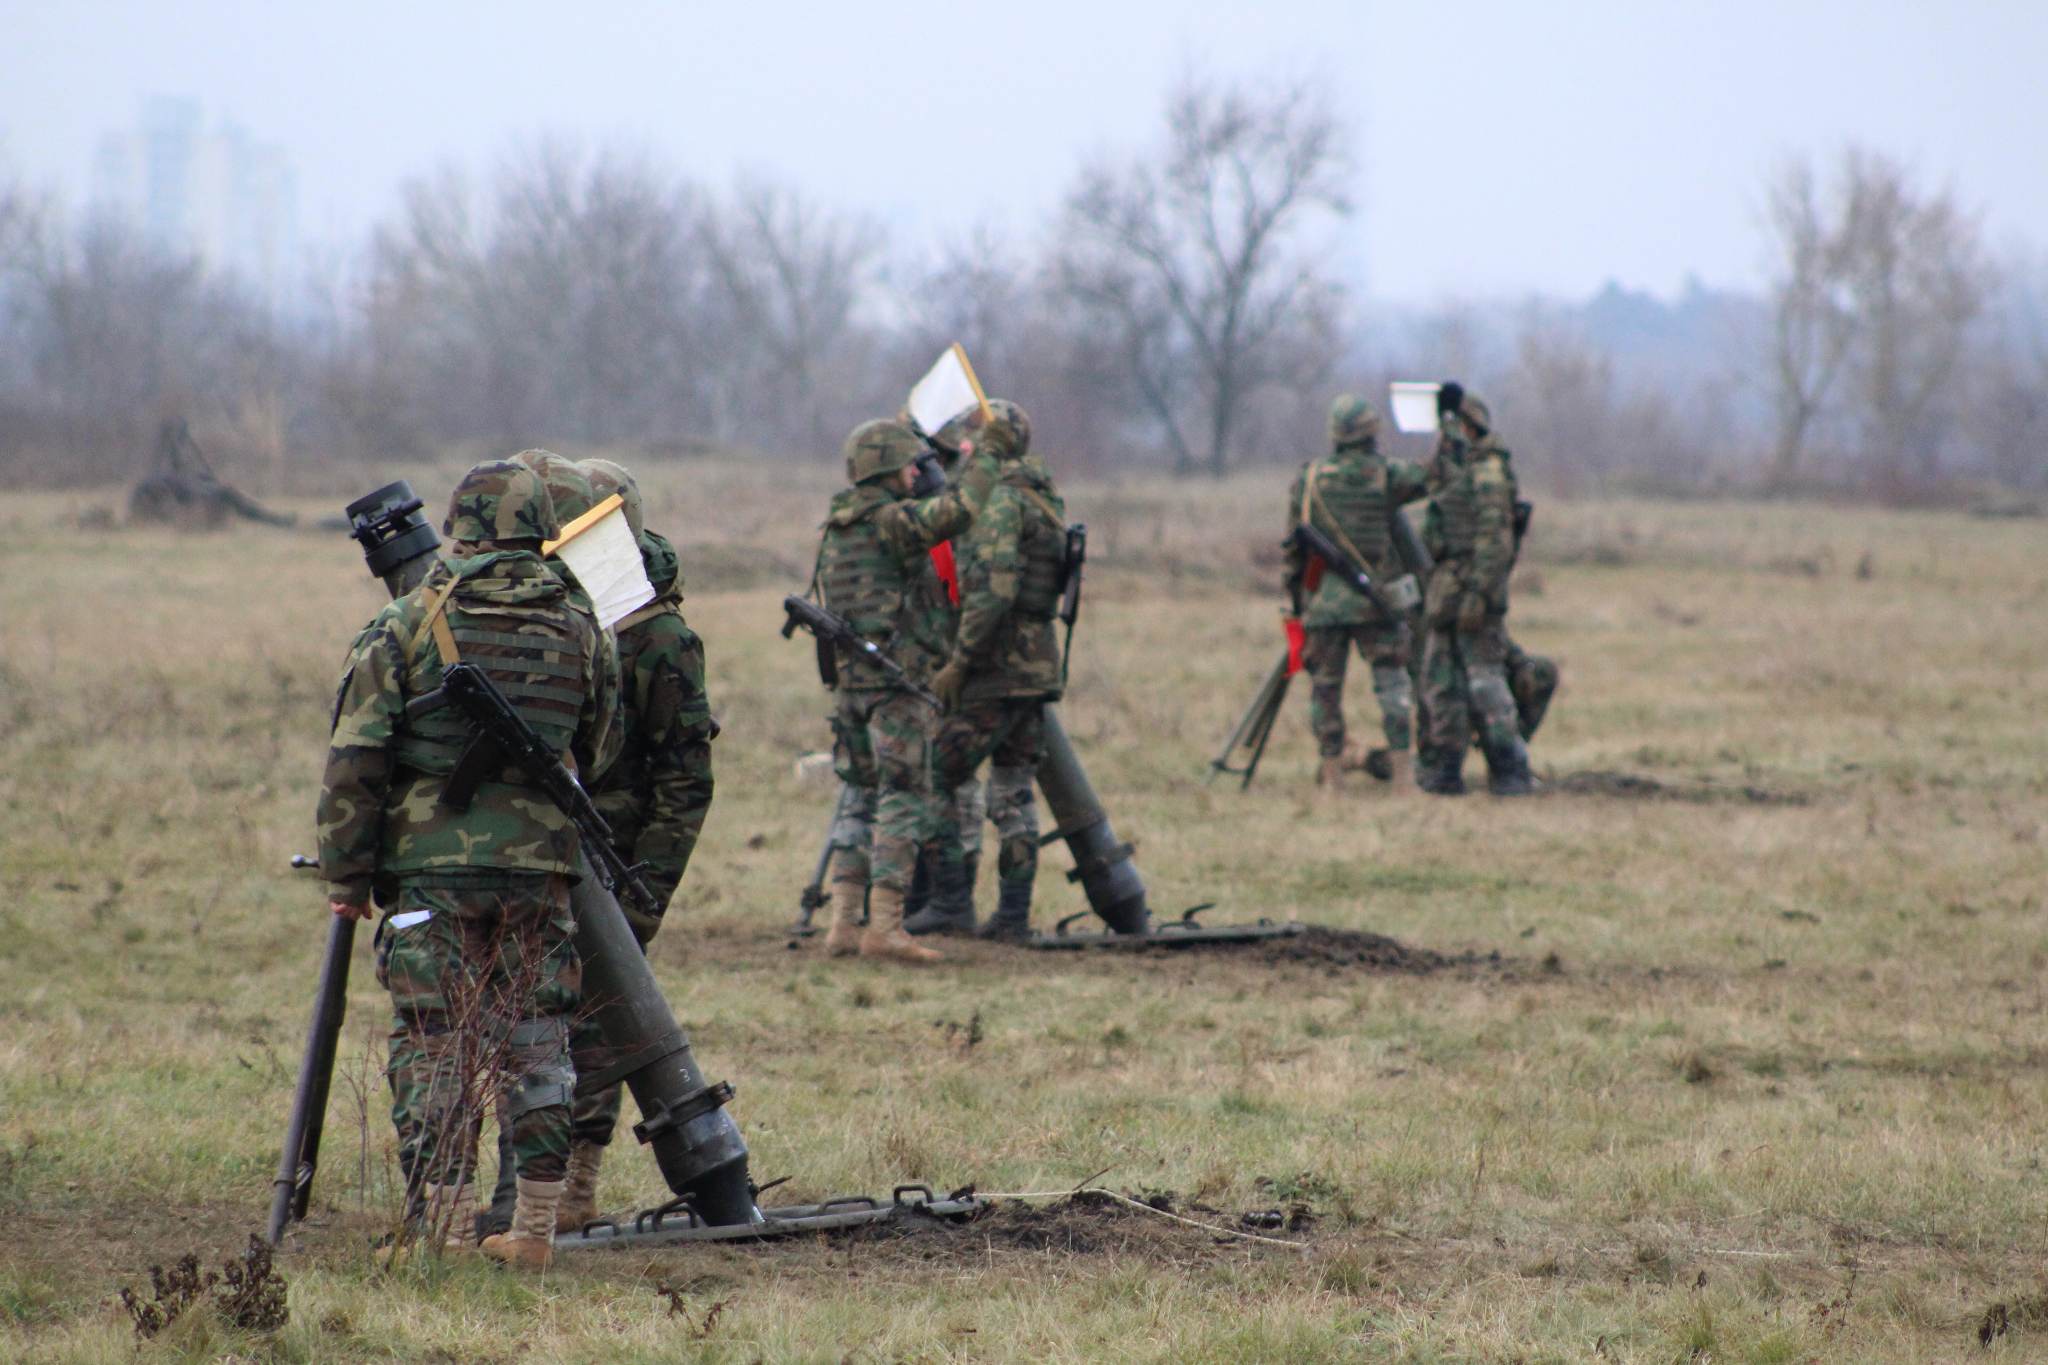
column 1016, row 419
column 1353, row 422
column 500, row 500
column 876, row 449
column 1475, row 412
column 608, row 477
column 566, row 482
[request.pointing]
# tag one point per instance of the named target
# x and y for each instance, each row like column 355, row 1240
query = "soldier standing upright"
column 1003, row 670
column 477, row 950
column 1349, row 497
column 655, row 797
column 1469, row 531
column 875, row 570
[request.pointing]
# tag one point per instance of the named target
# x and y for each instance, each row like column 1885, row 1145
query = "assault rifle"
column 503, row 737
column 1073, row 555
column 832, row 629
column 1313, row 542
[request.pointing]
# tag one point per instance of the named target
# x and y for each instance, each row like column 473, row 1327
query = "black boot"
column 1011, row 922
column 920, row 893
column 950, row 907
column 1507, row 769
column 1442, row 772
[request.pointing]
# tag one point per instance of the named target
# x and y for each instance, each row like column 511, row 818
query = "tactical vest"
column 1455, row 505
column 1351, row 493
column 858, row 578
column 534, row 652
column 1043, row 547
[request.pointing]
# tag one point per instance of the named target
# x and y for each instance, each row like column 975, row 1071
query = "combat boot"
column 1507, row 770
column 1330, row 776
column 951, row 908
column 531, row 1242
column 1443, row 774
column 884, row 936
column 579, row 1199
column 1011, row 923
column 1401, row 772
column 921, row 889
column 843, row 938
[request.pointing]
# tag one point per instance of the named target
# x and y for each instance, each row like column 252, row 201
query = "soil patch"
column 1357, row 950
column 1636, row 787
column 1087, row 1224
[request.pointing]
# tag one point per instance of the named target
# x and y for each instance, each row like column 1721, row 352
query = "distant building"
column 219, row 195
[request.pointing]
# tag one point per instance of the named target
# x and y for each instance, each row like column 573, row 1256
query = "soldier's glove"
column 950, row 681
column 1450, row 396
column 1471, row 612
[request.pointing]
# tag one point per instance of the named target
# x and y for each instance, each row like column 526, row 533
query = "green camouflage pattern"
column 1533, row 680
column 1016, row 424
column 608, row 477
column 569, row 488
column 500, row 953
column 1009, row 563
column 656, row 796
column 499, row 500
column 1386, row 648
column 883, row 748
column 1010, row 733
column 1356, row 490
column 1353, row 422
column 1465, row 688
column 380, row 817
column 877, row 449
column 1470, row 530
column 875, row 569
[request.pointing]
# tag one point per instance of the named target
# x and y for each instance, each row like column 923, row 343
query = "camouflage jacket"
column 1356, row 491
column 875, row 569
column 380, row 817
column 1009, row 563
column 1470, row 525
column 656, row 796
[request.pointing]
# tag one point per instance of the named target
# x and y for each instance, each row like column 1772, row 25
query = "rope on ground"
column 1160, row 1213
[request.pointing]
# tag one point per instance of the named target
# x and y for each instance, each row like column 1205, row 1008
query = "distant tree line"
column 1176, row 310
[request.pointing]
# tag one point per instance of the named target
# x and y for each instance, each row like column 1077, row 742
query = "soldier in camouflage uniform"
column 1004, row 668
column 1469, row 531
column 1349, row 498
column 654, row 798
column 477, row 953
column 875, row 570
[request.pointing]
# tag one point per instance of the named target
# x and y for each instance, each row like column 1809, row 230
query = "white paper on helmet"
column 1414, row 405
column 600, row 550
column 947, row 390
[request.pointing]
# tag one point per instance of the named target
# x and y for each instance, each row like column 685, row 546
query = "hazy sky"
column 1501, row 147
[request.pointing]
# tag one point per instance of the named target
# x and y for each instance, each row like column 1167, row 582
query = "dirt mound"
column 1350, row 950
column 1635, row 787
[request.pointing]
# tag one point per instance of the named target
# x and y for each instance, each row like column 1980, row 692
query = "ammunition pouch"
column 1403, row 594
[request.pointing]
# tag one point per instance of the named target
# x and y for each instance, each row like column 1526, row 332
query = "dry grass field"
column 1730, row 1047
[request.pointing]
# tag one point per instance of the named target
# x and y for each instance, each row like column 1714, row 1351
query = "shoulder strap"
column 437, row 622
column 646, row 613
column 1043, row 503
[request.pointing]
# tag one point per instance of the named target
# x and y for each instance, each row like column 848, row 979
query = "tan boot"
column 1402, row 780
column 843, row 938
column 1330, row 777
column 531, row 1242
column 579, row 1200
column 885, row 937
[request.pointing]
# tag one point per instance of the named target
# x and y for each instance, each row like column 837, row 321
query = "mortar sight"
column 389, row 526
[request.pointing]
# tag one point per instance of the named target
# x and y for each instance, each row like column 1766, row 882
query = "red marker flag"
column 949, row 572
column 1297, row 641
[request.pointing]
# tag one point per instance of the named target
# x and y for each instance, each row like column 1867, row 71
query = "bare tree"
column 1189, row 264
column 789, row 278
column 1878, row 288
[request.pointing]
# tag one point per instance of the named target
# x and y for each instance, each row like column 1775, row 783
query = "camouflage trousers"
column 1465, row 687
column 1385, row 647
column 482, row 989
column 1010, row 734
column 883, row 749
